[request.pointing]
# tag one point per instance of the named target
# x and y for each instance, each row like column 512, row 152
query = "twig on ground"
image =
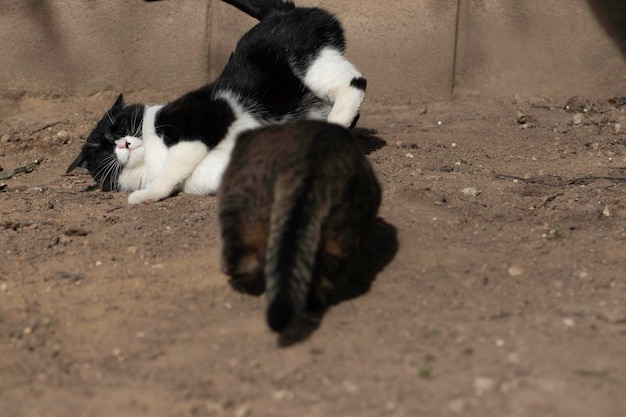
column 574, row 181
column 26, row 168
column 45, row 127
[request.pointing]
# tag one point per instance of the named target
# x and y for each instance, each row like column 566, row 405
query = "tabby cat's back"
column 295, row 204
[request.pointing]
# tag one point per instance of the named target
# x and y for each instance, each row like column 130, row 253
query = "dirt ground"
column 502, row 289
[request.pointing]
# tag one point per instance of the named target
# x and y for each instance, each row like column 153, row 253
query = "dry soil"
column 502, row 290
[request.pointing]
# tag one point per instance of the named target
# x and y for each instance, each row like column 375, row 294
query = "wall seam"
column 455, row 49
column 208, row 36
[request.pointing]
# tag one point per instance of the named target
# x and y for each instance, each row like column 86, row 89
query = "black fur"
column 260, row 69
column 195, row 116
column 360, row 83
column 260, row 9
column 97, row 152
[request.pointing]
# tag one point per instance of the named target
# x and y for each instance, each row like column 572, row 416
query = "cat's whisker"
column 135, row 127
column 110, row 117
column 112, row 174
column 115, row 173
column 162, row 126
column 91, row 145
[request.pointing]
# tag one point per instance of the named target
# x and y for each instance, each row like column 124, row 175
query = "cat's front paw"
column 141, row 196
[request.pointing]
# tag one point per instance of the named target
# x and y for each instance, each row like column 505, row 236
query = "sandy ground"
column 502, row 289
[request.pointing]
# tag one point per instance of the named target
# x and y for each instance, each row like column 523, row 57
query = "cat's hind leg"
column 332, row 77
column 243, row 246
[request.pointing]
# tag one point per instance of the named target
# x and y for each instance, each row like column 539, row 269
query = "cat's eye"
column 120, row 130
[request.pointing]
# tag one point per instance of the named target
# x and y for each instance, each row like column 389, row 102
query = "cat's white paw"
column 142, row 196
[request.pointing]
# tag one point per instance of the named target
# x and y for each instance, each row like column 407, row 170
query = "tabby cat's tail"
column 294, row 237
column 259, row 9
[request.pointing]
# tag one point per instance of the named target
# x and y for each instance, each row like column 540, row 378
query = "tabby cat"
column 296, row 202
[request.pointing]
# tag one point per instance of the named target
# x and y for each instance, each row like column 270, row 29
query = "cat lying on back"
column 296, row 202
column 289, row 66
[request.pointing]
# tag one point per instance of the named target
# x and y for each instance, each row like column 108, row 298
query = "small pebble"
column 483, row 385
column 457, row 406
column 515, row 270
column 4, row 287
column 578, row 118
column 213, row 407
column 282, row 394
column 410, row 155
column 350, row 386
column 569, row 322
column 62, row 135
column 64, row 239
column 472, row 191
column 243, row 410
column 513, row 358
column 131, row 249
column 581, row 274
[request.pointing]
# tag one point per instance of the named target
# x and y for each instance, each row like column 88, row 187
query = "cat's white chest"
column 207, row 176
column 155, row 149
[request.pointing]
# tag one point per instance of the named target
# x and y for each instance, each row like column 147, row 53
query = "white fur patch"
column 182, row 159
column 129, row 151
column 155, row 149
column 166, row 168
column 207, row 177
column 329, row 77
column 146, row 164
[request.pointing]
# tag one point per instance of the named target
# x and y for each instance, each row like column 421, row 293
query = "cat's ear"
column 80, row 161
column 119, row 104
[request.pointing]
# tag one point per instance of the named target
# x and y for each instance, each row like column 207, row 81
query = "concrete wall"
column 541, row 48
column 408, row 49
column 71, row 47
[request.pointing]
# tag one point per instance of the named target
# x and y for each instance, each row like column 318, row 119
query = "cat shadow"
column 368, row 140
column 377, row 252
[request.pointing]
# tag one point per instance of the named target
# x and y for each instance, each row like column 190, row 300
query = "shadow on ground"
column 378, row 251
column 368, row 139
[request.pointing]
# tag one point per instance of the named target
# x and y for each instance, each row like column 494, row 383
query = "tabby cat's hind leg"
column 242, row 244
column 332, row 77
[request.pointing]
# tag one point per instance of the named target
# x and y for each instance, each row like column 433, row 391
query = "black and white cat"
column 289, row 66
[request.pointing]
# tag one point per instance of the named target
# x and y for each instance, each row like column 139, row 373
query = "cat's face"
column 114, row 146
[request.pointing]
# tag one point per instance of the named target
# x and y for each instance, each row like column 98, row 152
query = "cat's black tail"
column 259, row 9
column 294, row 237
